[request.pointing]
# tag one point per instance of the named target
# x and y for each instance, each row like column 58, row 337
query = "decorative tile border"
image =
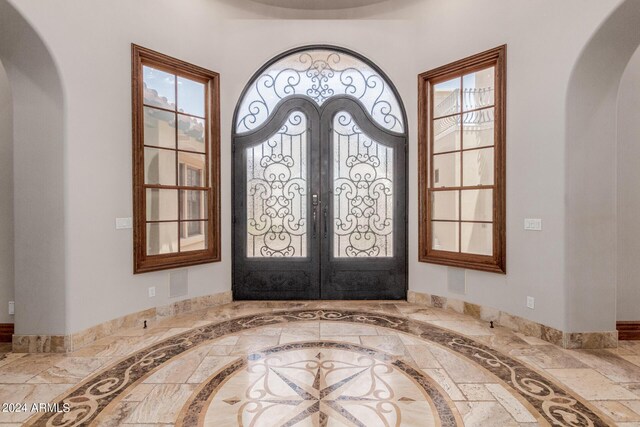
column 68, row 343
column 572, row 340
column 554, row 403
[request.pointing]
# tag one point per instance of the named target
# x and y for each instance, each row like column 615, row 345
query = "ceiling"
column 318, row 4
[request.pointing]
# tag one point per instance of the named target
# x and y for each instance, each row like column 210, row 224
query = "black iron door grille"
column 319, row 181
column 319, row 205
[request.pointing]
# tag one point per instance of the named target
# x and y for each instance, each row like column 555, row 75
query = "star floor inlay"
column 325, row 363
column 321, row 383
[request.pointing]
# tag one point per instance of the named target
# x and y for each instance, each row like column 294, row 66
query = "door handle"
column 324, row 221
column 314, row 209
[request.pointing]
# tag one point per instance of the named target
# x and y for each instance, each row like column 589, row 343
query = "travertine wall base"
column 518, row 324
column 68, row 343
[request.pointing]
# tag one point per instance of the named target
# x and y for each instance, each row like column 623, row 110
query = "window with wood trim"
column 176, row 160
column 462, row 163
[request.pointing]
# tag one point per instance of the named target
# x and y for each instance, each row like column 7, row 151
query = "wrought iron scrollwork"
column 363, row 192
column 277, row 185
column 319, row 74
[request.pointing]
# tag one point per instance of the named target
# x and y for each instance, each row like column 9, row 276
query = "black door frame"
column 372, row 284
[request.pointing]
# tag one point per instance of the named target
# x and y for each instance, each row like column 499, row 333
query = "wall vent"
column 457, row 280
column 178, row 283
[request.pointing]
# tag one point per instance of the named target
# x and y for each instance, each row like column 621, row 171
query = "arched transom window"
column 319, row 74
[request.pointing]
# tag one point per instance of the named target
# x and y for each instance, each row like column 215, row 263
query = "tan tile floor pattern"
column 608, row 379
column 317, row 383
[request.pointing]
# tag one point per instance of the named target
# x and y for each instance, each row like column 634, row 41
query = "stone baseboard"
column 571, row 340
column 40, row 343
column 71, row 342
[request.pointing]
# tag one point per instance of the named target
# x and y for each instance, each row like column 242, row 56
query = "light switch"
column 123, row 223
column 533, row 224
column 12, row 307
column 531, row 303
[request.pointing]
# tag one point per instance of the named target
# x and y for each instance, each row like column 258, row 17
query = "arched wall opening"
column 628, row 196
column 38, row 178
column 590, row 171
column 6, row 195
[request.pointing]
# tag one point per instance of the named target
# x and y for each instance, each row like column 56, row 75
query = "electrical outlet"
column 533, row 224
column 531, row 302
column 152, row 291
column 12, row 307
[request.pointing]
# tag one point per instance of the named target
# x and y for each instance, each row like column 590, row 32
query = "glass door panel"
column 276, row 206
column 363, row 192
column 363, row 177
column 277, row 185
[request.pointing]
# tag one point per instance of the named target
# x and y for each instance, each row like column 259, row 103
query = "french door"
column 319, row 205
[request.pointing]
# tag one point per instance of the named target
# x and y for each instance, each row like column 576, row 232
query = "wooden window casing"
column 211, row 173
column 496, row 262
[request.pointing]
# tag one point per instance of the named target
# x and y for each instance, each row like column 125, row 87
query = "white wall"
column 590, row 170
column 403, row 37
column 628, row 203
column 6, row 195
column 38, row 174
column 544, row 39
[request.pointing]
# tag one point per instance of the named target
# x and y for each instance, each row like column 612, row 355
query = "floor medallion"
column 320, row 384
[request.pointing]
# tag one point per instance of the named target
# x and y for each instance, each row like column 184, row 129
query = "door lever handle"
column 324, row 221
column 314, row 223
column 314, row 209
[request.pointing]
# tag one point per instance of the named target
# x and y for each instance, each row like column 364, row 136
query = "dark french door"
column 319, row 205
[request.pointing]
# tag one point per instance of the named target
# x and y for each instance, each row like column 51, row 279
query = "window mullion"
column 461, row 166
column 175, row 88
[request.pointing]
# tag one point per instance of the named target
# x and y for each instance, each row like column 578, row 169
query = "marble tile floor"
column 340, row 369
column 5, row 347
